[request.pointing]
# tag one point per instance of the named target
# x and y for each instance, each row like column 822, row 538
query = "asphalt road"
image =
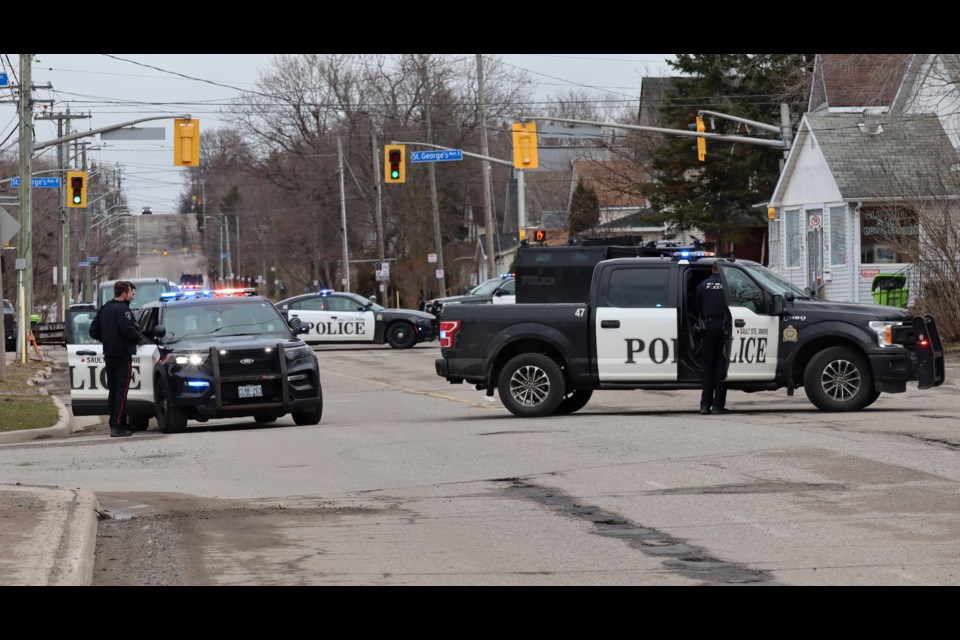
column 411, row 481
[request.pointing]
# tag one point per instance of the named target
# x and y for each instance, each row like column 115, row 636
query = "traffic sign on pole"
column 9, row 226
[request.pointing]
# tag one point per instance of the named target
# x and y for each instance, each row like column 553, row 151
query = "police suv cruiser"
column 204, row 355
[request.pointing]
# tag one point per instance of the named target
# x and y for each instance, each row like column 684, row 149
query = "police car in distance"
column 501, row 290
column 343, row 317
column 204, row 355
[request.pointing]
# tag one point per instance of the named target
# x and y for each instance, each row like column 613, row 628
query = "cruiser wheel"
column 838, row 379
column 531, row 385
column 401, row 335
column 169, row 418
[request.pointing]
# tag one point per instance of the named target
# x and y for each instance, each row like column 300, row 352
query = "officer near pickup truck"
column 713, row 310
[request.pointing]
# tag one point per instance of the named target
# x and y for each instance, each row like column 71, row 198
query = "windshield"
column 772, row 282
column 485, row 288
column 362, row 302
column 226, row 318
column 147, row 292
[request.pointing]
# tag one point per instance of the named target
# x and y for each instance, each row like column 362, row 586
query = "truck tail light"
column 448, row 329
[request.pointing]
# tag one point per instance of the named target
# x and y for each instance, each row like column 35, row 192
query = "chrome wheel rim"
column 529, row 385
column 840, row 380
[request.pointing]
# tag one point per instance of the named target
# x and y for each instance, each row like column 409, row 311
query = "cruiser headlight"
column 194, row 359
column 884, row 331
column 298, row 352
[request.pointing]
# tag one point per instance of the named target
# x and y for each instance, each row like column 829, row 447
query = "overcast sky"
column 116, row 88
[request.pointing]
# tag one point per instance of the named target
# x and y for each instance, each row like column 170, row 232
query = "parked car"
column 502, row 290
column 9, row 326
column 340, row 316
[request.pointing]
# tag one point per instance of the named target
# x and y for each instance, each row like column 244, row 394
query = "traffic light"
column 76, row 189
column 394, row 163
column 701, row 142
column 525, row 145
column 771, row 213
column 186, row 142
column 539, row 235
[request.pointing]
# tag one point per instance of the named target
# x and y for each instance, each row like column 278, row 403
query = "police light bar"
column 688, row 254
column 325, row 292
column 247, row 291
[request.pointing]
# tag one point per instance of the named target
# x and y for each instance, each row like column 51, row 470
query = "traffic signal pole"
column 783, row 143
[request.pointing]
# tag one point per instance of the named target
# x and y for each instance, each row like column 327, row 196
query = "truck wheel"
column 531, row 385
column 838, row 379
column 871, row 399
column 401, row 335
column 138, row 422
column 575, row 400
column 169, row 418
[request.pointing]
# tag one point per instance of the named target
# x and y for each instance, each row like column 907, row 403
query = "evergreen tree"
column 719, row 194
column 584, row 209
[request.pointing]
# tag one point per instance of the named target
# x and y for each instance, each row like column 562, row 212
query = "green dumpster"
column 888, row 289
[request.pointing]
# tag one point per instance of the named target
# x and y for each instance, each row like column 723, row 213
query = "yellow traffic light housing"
column 394, row 163
column 771, row 213
column 76, row 189
column 701, row 142
column 525, row 145
column 186, row 142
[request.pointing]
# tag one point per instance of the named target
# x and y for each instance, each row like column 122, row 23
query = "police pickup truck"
column 204, row 355
column 638, row 331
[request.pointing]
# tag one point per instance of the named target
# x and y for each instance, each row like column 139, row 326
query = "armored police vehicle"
column 638, row 330
column 209, row 355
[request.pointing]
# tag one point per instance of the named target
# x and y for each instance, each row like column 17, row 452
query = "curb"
column 62, row 429
column 74, row 567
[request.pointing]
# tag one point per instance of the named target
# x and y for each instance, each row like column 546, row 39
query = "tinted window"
column 638, row 288
column 509, row 289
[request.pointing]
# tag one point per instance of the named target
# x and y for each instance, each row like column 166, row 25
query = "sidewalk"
column 48, row 536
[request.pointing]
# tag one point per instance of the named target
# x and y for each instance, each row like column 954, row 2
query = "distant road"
column 167, row 246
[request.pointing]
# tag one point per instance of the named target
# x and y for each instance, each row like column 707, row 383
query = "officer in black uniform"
column 713, row 309
column 115, row 327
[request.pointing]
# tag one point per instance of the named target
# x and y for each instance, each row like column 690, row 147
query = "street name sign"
column 38, row 183
column 436, row 156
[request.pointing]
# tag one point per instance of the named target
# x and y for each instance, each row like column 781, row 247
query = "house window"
column 791, row 224
column 838, row 236
column 888, row 234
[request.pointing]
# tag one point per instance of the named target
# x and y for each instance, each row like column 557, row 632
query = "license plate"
column 250, row 391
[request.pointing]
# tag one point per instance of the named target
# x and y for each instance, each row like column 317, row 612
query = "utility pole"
column 26, row 201
column 343, row 216
column 433, row 194
column 487, row 197
column 379, row 207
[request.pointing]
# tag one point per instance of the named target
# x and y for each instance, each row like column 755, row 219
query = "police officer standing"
column 115, row 327
column 713, row 308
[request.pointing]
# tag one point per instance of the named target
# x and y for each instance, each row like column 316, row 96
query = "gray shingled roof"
column 904, row 160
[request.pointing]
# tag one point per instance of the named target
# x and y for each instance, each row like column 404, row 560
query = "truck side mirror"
column 295, row 323
column 158, row 332
column 778, row 305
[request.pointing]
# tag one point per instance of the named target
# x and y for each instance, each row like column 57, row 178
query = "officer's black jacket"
column 710, row 297
column 118, row 329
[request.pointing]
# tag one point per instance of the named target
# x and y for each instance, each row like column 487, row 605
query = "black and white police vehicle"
column 339, row 316
column 204, row 355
